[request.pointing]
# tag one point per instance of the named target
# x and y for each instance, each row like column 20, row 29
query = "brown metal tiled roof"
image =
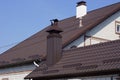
column 103, row 58
column 35, row 46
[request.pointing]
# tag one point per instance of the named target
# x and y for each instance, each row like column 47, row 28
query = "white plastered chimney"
column 81, row 9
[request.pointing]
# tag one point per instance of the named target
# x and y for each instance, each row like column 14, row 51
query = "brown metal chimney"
column 54, row 43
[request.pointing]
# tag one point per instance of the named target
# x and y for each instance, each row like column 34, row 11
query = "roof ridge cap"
column 94, row 45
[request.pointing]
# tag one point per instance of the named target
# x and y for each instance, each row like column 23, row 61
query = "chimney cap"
column 54, row 27
column 81, row 3
column 54, row 21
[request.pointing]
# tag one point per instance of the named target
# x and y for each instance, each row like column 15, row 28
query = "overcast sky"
column 20, row 19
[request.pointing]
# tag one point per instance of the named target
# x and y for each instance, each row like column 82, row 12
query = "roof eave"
column 83, row 74
column 16, row 64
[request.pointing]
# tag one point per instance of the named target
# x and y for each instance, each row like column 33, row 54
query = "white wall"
column 16, row 73
column 105, row 30
column 15, row 76
column 78, row 42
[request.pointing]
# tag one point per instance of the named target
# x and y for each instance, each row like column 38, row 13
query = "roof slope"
column 35, row 46
column 97, row 59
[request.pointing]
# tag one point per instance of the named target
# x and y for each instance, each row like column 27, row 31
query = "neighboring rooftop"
column 35, row 47
column 98, row 59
